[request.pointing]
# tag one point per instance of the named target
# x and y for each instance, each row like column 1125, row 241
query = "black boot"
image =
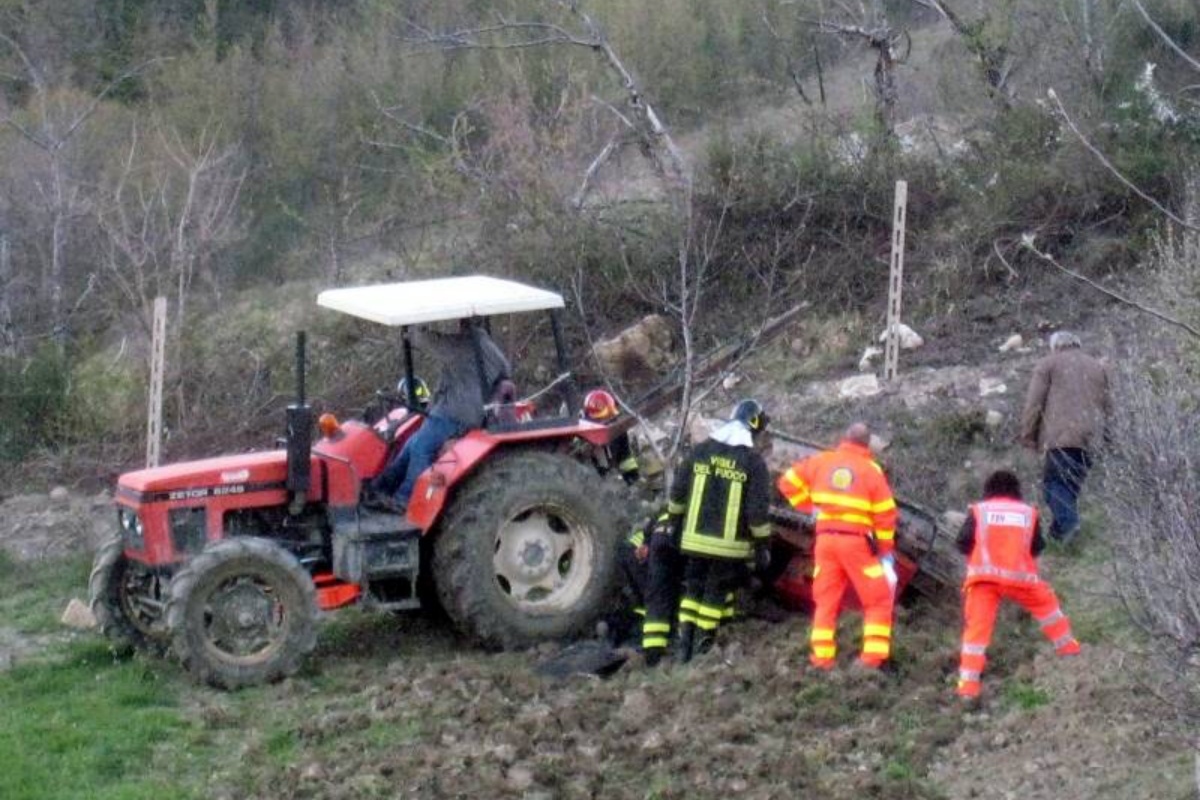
column 683, row 642
column 703, row 642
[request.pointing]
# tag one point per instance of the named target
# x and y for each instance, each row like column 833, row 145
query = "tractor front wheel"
column 242, row 613
column 527, row 551
column 126, row 600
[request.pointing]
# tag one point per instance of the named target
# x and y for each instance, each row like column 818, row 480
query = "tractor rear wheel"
column 242, row 613
column 125, row 599
column 527, row 550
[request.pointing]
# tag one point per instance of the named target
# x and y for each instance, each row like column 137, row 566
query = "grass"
column 35, row 593
column 1023, row 695
column 83, row 726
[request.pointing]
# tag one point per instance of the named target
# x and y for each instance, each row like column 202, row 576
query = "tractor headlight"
column 131, row 529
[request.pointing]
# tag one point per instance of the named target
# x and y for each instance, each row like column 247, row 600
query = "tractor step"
column 377, row 546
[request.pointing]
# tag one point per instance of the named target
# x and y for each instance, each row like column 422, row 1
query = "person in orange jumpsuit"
column 1002, row 537
column 855, row 522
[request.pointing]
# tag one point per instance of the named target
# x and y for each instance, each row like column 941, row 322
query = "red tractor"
column 228, row 560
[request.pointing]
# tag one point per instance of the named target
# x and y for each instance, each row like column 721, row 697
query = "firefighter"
column 1002, row 537
column 855, row 523
column 600, row 406
column 420, row 392
column 719, row 504
column 649, row 560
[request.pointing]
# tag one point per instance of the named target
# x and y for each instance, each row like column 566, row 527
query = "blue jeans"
column 415, row 457
column 1065, row 470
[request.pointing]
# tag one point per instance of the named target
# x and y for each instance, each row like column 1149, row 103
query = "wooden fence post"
column 891, row 356
column 157, row 350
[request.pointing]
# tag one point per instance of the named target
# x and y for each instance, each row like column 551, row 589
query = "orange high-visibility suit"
column 1003, row 538
column 855, row 513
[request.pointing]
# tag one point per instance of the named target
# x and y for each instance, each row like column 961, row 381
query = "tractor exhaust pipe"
column 299, row 438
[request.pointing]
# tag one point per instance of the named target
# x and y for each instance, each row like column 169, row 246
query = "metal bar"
column 157, row 356
column 410, row 380
column 560, row 351
column 891, row 358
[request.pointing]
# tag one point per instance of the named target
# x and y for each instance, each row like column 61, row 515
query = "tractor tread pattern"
column 463, row 575
column 302, row 634
column 111, row 620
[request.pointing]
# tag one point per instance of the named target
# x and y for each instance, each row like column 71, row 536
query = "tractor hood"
column 225, row 475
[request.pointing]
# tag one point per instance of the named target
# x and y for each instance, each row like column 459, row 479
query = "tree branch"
column 1028, row 243
column 1095, row 151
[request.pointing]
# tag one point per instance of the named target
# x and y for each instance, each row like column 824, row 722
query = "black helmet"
column 421, row 393
column 750, row 413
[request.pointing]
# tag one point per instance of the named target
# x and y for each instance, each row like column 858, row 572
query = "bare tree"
column 169, row 209
column 869, row 24
column 642, row 123
column 54, row 120
column 996, row 61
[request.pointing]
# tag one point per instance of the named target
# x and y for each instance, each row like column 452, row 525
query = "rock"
column 991, row 386
column 909, row 339
column 1012, row 343
column 859, row 386
column 869, row 355
column 519, row 778
column 312, row 772
column 60, row 495
column 798, row 347
column 993, row 418
column 730, row 381
column 879, row 444
column 641, row 352
column 78, row 615
column 953, row 520
column 652, row 741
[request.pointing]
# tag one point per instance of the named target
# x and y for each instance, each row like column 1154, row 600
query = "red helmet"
column 599, row 405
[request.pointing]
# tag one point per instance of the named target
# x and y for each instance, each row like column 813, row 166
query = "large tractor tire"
column 124, row 598
column 527, row 551
column 242, row 613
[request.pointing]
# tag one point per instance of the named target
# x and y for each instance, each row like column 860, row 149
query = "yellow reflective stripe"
column 877, row 630
column 760, row 531
column 876, row 648
column 797, row 500
column 733, row 510
column 687, row 616
column 711, row 612
column 656, row 627
column 873, row 571
column 637, row 539
column 843, row 500
column 653, row 641
column 883, row 505
column 816, row 570
column 701, row 544
column 675, row 508
column 832, row 516
column 694, row 503
column 885, row 536
column 824, row 651
column 795, row 480
column 628, row 465
column 729, row 612
column 641, row 612
column 821, row 635
column 689, row 604
column 707, row 624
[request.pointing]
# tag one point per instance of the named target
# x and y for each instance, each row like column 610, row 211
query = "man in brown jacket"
column 1066, row 417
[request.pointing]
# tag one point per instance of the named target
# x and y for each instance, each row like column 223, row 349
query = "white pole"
column 891, row 357
column 157, row 350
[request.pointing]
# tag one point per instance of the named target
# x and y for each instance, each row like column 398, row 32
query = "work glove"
column 888, row 563
column 762, row 559
column 665, row 525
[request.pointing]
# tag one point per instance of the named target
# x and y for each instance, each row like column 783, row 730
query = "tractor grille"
column 189, row 530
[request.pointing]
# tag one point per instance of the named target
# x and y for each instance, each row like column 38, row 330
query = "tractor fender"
column 435, row 486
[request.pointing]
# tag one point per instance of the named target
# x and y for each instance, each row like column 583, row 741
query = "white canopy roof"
column 417, row 302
